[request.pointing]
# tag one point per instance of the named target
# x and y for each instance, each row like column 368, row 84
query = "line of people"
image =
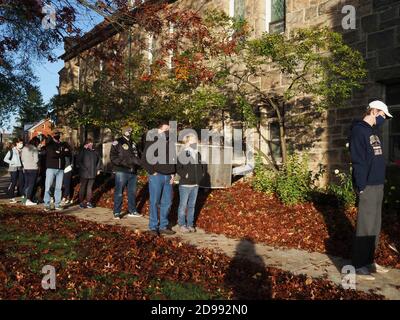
column 52, row 163
column 126, row 159
column 42, row 171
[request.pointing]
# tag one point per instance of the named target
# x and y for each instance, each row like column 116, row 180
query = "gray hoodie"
column 30, row 157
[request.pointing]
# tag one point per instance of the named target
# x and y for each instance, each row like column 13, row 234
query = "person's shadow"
column 247, row 275
column 341, row 232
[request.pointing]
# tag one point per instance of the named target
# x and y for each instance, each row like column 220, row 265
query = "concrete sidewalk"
column 313, row 264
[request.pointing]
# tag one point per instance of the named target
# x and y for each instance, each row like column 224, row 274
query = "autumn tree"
column 314, row 64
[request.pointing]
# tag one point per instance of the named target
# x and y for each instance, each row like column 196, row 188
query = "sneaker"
column 134, row 214
column 82, row 206
column 30, row 203
column 167, row 232
column 47, row 209
column 192, row 229
column 364, row 274
column 23, row 200
column 59, row 208
column 89, row 205
column 184, row 229
column 376, row 268
column 63, row 202
column 153, row 233
column 13, row 200
column 117, row 216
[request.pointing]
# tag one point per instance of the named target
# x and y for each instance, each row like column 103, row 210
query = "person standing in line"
column 67, row 178
column 13, row 159
column 55, row 163
column 125, row 158
column 161, row 168
column 191, row 171
column 368, row 170
column 30, row 160
column 88, row 162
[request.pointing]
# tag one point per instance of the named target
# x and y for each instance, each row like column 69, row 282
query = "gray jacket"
column 30, row 157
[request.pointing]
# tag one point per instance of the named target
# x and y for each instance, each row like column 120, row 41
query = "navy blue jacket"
column 366, row 156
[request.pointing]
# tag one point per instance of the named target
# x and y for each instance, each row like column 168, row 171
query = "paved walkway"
column 314, row 264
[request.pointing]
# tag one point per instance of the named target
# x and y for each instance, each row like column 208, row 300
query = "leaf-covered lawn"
column 241, row 212
column 96, row 261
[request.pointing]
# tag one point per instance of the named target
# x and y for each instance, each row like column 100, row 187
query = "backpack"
column 11, row 154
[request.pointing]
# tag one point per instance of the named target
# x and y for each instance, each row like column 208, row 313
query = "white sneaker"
column 364, row 274
column 184, row 229
column 376, row 268
column 134, row 215
column 59, row 208
column 30, row 203
column 13, row 200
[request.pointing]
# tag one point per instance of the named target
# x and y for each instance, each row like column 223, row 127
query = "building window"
column 237, row 9
column 393, row 101
column 275, row 142
column 275, row 16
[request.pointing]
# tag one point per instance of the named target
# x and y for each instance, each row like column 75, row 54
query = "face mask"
column 19, row 146
column 380, row 121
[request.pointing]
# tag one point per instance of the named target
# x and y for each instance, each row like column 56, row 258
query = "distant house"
column 4, row 138
column 44, row 127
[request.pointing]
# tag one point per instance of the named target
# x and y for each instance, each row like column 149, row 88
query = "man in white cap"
column 368, row 164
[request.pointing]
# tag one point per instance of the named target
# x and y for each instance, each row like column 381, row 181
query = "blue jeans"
column 52, row 174
column 30, row 182
column 121, row 180
column 160, row 190
column 187, row 199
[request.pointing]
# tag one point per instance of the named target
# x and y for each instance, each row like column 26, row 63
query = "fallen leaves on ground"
column 240, row 211
column 95, row 261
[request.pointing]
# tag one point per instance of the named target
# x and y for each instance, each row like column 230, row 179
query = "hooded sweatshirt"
column 30, row 157
column 367, row 157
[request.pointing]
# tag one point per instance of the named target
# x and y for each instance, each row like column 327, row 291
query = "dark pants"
column 17, row 179
column 123, row 179
column 86, row 190
column 67, row 185
column 30, row 182
column 369, row 221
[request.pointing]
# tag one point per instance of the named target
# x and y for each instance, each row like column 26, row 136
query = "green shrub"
column 264, row 177
column 294, row 181
column 344, row 190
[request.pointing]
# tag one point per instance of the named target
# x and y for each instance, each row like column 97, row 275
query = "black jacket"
column 190, row 168
column 160, row 160
column 367, row 157
column 125, row 156
column 89, row 163
column 56, row 154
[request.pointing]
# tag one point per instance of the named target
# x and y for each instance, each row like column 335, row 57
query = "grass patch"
column 166, row 289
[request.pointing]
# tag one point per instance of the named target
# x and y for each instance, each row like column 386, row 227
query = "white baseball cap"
column 380, row 106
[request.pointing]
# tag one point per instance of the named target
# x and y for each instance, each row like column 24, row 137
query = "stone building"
column 376, row 36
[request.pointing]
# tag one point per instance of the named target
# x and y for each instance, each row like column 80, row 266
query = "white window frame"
column 170, row 51
column 150, row 48
column 268, row 14
column 232, row 8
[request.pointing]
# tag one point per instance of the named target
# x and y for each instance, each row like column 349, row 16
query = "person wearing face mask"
column 368, row 170
column 88, row 161
column 125, row 158
column 159, row 163
column 13, row 159
column 191, row 171
column 30, row 159
column 56, row 153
